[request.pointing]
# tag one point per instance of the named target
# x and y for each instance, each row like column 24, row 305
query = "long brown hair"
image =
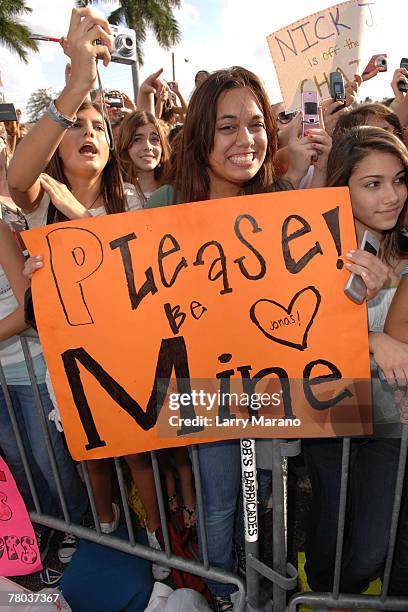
column 192, row 181
column 361, row 116
column 348, row 150
column 112, row 184
column 126, row 136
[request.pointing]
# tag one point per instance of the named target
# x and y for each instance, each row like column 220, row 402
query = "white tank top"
column 10, row 349
column 377, row 309
column 11, row 352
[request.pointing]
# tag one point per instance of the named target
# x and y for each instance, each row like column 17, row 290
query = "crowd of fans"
column 227, row 141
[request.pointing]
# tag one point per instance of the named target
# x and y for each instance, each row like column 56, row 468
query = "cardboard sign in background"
column 340, row 38
column 206, row 287
column 19, row 554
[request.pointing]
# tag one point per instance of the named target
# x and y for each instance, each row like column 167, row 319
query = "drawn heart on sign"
column 289, row 326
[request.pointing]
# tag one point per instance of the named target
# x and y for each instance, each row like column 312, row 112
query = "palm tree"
column 140, row 15
column 14, row 35
column 38, row 103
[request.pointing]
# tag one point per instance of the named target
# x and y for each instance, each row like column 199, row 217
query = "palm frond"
column 16, row 38
column 14, row 35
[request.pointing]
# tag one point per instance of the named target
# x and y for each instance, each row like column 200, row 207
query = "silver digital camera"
column 124, row 45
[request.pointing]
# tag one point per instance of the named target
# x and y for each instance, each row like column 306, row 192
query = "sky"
column 215, row 34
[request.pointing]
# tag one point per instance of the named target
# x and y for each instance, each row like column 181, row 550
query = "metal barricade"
column 342, row 600
column 283, row 576
column 166, row 558
column 266, row 587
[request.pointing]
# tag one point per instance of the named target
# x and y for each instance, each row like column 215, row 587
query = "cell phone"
column 114, row 99
column 377, row 61
column 310, row 109
column 337, row 91
column 355, row 287
column 402, row 86
column 8, row 112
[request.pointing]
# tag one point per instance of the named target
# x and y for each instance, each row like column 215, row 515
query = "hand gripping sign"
column 341, row 38
column 213, row 320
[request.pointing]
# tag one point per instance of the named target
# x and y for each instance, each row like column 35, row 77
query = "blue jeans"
column 220, row 469
column 31, row 433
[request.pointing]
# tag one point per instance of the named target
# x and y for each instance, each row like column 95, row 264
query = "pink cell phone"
column 310, row 109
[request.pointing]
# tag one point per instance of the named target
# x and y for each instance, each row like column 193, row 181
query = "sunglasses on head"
column 284, row 117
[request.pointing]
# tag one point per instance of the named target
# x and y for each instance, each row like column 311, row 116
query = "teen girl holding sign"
column 228, row 148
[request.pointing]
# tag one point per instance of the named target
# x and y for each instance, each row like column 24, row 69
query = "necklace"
column 93, row 203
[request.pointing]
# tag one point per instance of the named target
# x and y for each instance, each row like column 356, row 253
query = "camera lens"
column 124, row 45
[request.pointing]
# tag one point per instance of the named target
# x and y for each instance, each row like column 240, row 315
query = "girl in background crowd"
column 143, row 153
column 83, row 180
column 227, row 148
column 200, row 77
column 5, row 156
column 373, row 163
column 12, row 288
column 374, row 115
column 8, row 210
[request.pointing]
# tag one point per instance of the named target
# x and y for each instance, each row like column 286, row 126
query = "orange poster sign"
column 166, row 326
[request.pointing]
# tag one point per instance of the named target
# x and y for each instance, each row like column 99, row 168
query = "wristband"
column 404, row 272
column 56, row 116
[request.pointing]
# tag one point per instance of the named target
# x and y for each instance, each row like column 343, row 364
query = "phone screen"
column 310, row 108
column 370, row 248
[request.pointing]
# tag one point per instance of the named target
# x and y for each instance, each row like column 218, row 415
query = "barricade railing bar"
column 344, row 600
column 65, row 524
column 266, row 587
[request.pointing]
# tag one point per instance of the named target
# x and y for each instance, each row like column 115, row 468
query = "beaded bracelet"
column 56, row 116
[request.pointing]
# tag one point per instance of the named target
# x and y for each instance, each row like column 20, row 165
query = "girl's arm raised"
column 37, row 148
column 12, row 262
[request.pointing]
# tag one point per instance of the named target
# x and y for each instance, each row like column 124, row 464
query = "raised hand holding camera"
column 86, row 27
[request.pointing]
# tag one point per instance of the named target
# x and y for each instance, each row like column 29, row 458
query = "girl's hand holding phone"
column 331, row 111
column 373, row 271
column 322, row 144
column 400, row 75
column 300, row 150
column 351, row 89
column 128, row 103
